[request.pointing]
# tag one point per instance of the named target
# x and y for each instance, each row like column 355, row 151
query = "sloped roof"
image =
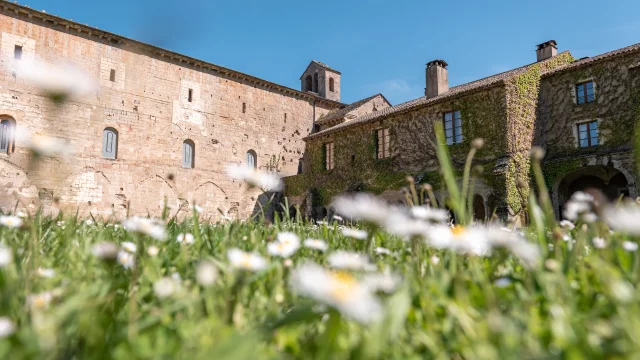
column 593, row 59
column 423, row 101
column 340, row 113
column 322, row 65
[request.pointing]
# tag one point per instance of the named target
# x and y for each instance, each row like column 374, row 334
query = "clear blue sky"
column 379, row 46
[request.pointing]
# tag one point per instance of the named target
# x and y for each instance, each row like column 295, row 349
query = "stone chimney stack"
column 437, row 78
column 547, row 50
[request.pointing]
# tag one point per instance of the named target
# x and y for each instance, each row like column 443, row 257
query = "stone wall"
column 147, row 104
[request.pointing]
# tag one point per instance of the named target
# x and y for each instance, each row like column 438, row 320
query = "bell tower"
column 319, row 78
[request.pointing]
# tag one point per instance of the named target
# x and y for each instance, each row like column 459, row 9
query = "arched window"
column 252, row 159
column 7, row 131
column 309, row 83
column 188, row 153
column 315, row 82
column 109, row 143
column 331, row 84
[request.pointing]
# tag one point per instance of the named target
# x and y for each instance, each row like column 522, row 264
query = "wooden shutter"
column 109, row 144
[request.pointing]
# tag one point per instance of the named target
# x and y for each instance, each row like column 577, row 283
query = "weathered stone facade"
column 511, row 111
column 147, row 102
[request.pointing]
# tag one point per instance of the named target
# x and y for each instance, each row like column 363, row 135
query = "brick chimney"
column 547, row 50
column 437, row 78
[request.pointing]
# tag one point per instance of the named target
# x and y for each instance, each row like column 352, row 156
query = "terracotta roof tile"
column 340, row 113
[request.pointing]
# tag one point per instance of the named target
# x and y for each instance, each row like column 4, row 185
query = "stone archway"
column 479, row 212
column 612, row 182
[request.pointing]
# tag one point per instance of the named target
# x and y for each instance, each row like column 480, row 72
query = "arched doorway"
column 479, row 212
column 293, row 212
column 610, row 181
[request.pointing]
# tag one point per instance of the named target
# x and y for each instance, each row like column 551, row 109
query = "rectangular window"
column 328, row 156
column 17, row 52
column 588, row 134
column 244, row 108
column 112, row 75
column 190, row 98
column 453, row 127
column 382, row 143
column 585, row 93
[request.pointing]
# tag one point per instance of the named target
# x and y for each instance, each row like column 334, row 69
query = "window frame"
column 18, row 51
column 190, row 95
column 10, row 135
column 331, row 85
column 110, row 155
column 589, row 138
column 384, row 141
column 190, row 164
column 328, row 152
column 583, row 85
column 454, row 135
column 253, row 154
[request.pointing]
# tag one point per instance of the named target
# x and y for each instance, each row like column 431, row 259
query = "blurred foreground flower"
column 46, row 273
column 59, row 81
column 7, row 327
column 151, row 227
column 480, row 240
column 10, row 221
column 40, row 301
column 42, row 145
column 316, row 244
column 126, row 259
column 362, row 206
column 6, row 257
column 263, row 180
column 165, row 287
column 105, row 250
column 429, row 213
column 246, row 261
column 339, row 290
column 624, row 218
column 355, row 233
column 350, row 260
column 129, row 246
column 580, row 205
column 186, row 238
column 206, row 273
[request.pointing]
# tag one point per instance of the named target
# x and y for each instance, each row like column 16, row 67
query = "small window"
column 252, row 160
column 188, row 153
column 382, row 143
column 328, row 156
column 588, row 134
column 244, row 108
column 17, row 52
column 7, row 128
column 331, row 84
column 585, row 93
column 453, row 127
column 109, row 143
column 308, row 83
column 112, row 75
column 315, row 82
column 190, row 96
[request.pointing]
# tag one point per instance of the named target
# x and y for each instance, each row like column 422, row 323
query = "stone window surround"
column 576, row 137
column 574, row 94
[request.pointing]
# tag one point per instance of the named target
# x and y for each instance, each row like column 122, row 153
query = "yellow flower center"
column 246, row 261
column 458, row 230
column 343, row 285
column 39, row 302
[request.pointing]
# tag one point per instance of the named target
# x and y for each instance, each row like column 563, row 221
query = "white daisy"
column 165, row 287
column 129, row 246
column 46, row 273
column 89, row 222
column 502, row 282
column 6, row 257
column 10, row 221
column 186, row 238
column 630, row 246
column 282, row 249
column 151, row 227
column 42, row 145
column 349, row 260
column 288, row 238
column 22, row 214
column 337, row 218
column 198, row 209
column 567, row 224
column 400, row 224
column 246, row 261
column 339, row 290
column 363, row 207
column 153, row 251
column 384, row 282
column 206, row 273
column 126, row 259
column 599, row 243
column 41, row 300
column 382, row 251
column 429, row 213
column 355, row 233
column 316, row 244
column 623, row 218
column 7, row 327
column 58, row 81
column 265, row 181
column 435, row 260
column 105, row 250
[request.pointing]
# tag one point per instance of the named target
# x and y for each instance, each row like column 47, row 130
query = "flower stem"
column 233, row 296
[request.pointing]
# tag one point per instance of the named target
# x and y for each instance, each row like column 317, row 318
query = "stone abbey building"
column 163, row 127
